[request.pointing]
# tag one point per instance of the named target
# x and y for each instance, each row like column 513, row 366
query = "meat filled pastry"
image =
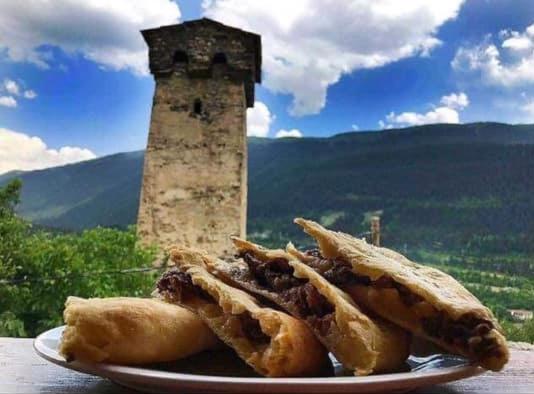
column 270, row 341
column 423, row 300
column 364, row 345
column 131, row 331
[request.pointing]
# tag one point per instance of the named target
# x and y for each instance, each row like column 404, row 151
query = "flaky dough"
column 292, row 350
column 361, row 344
column 437, row 288
column 131, row 331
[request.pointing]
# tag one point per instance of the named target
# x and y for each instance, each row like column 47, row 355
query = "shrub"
column 519, row 332
column 39, row 270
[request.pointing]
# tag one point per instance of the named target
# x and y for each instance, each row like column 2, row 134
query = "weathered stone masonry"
column 195, row 173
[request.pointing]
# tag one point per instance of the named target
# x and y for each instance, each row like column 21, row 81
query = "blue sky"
column 326, row 69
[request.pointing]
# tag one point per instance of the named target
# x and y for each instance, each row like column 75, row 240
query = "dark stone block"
column 205, row 49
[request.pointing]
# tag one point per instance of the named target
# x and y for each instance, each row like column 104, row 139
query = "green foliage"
column 10, row 197
column 519, row 332
column 11, row 326
column 39, row 270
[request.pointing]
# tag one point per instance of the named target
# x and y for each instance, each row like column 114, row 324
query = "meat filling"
column 178, row 286
column 251, row 329
column 276, row 275
column 468, row 332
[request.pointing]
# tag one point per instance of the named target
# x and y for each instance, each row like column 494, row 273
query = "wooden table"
column 23, row 372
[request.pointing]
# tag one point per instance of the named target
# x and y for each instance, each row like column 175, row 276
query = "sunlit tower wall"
column 195, row 171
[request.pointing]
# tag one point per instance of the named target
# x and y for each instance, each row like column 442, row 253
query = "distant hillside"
column 436, row 183
column 103, row 191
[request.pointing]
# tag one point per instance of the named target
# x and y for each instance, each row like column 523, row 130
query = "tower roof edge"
column 152, row 35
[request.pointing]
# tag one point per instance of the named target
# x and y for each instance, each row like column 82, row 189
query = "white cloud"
column 259, row 120
column 517, row 41
column 355, row 127
column 455, row 100
column 384, row 125
column 30, row 94
column 8, row 101
column 11, row 87
column 510, row 65
column 438, row 115
column 309, row 44
column 106, row 32
column 288, row 133
column 19, row 151
column 528, row 109
column 521, row 43
column 447, row 113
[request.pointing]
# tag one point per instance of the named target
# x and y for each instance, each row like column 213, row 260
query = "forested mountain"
column 458, row 197
column 437, row 184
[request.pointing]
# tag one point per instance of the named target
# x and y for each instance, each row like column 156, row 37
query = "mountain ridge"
column 467, row 179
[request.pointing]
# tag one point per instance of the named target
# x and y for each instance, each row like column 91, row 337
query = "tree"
column 10, row 197
column 13, row 232
column 39, row 270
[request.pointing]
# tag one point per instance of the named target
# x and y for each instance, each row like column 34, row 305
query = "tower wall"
column 194, row 189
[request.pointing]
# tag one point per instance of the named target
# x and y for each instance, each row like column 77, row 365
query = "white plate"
column 188, row 376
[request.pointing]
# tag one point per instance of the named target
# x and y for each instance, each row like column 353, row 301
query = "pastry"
column 131, row 331
column 421, row 299
column 364, row 345
column 269, row 340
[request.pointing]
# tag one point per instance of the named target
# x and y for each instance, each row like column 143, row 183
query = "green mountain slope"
column 458, row 197
column 103, row 191
column 436, row 184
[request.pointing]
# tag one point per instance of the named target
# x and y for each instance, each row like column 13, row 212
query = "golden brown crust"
column 282, row 356
column 131, row 331
column 361, row 344
column 438, row 289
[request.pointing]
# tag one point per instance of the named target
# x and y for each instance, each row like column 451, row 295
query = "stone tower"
column 195, row 173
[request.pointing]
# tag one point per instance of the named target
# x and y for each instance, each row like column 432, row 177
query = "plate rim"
column 119, row 372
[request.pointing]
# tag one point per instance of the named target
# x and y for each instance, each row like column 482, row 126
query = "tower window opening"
column 197, row 107
column 180, row 57
column 219, row 58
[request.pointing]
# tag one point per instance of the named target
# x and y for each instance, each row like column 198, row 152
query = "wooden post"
column 375, row 230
